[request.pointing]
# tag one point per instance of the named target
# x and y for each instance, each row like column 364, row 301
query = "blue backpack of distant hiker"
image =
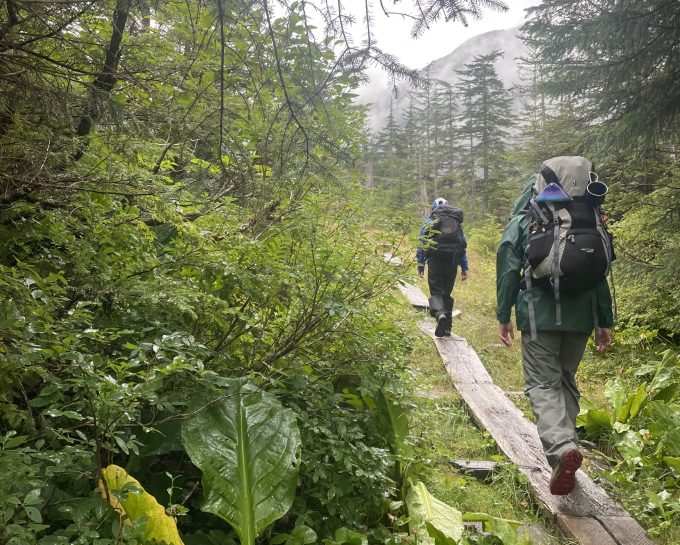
column 570, row 250
column 444, row 232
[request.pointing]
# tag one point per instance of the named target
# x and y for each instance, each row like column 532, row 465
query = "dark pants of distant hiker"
column 550, row 363
column 441, row 275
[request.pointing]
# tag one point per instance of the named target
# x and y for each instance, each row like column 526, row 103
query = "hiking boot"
column 441, row 325
column 447, row 327
column 563, row 477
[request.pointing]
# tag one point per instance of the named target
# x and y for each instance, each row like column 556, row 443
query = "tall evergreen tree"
column 440, row 134
column 618, row 60
column 449, row 149
column 415, row 150
column 389, row 169
column 486, row 116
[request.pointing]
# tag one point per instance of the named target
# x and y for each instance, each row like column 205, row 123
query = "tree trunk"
column 106, row 79
column 369, row 173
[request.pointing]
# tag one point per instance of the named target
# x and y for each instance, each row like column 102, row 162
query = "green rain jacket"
column 578, row 312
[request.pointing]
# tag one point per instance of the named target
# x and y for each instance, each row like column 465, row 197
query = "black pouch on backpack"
column 540, row 243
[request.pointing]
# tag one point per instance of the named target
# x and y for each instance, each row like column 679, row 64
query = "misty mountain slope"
column 507, row 67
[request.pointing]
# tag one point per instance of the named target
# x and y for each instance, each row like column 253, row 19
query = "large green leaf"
column 395, row 423
column 247, row 446
column 443, row 523
column 637, row 400
column 595, row 421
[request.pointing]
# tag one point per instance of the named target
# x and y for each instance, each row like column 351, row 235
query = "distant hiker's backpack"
column 444, row 232
column 569, row 250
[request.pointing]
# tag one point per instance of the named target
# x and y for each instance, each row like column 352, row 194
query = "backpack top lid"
column 439, row 202
column 571, row 172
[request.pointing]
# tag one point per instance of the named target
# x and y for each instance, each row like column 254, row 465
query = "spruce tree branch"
column 284, row 87
column 55, row 31
column 220, row 138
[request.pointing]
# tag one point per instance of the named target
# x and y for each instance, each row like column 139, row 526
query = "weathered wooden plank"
column 625, row 530
column 393, row 259
column 460, row 360
column 414, row 295
column 586, row 530
column 586, row 514
column 518, row 440
column 481, row 469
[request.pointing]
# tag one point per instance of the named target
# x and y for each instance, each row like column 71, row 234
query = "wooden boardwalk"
column 587, row 514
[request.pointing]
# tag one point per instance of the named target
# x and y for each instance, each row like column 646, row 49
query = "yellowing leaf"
column 442, row 523
column 132, row 503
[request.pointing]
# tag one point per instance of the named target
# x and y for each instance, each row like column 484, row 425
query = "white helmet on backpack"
column 439, row 202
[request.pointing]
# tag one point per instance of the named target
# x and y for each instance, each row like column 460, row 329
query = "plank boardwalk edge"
column 414, row 295
column 480, row 469
column 626, row 526
column 586, row 530
column 587, row 514
column 461, row 362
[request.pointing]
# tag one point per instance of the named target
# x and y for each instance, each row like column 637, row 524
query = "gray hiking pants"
column 550, row 363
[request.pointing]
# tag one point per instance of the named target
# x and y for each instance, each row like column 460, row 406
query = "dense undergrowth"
column 201, row 357
column 113, row 332
column 111, row 369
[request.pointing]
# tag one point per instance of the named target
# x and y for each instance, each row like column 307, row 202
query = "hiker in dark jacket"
column 552, row 356
column 443, row 260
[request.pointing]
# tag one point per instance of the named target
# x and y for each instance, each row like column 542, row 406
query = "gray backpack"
column 570, row 251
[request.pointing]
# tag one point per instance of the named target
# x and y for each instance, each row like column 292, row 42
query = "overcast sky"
column 393, row 34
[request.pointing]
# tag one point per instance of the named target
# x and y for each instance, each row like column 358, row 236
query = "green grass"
column 443, row 430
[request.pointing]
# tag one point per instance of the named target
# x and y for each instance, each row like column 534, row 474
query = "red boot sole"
column 564, row 479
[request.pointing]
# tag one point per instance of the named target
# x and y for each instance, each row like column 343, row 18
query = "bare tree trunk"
column 12, row 17
column 423, row 186
column 106, row 79
column 369, row 172
column 145, row 6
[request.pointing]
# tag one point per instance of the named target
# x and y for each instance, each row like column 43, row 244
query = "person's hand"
column 506, row 333
column 463, row 275
column 604, row 339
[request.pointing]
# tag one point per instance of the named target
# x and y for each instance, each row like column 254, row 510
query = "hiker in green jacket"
column 555, row 330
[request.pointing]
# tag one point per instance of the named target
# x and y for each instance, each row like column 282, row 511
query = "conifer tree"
column 440, row 134
column 485, row 118
column 423, row 104
column 618, row 61
column 415, row 151
column 448, row 148
column 389, row 171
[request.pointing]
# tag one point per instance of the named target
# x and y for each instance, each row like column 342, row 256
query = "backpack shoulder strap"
column 538, row 212
column 549, row 175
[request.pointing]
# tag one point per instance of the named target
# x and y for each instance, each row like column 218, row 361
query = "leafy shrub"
column 642, row 424
column 108, row 326
column 484, row 237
